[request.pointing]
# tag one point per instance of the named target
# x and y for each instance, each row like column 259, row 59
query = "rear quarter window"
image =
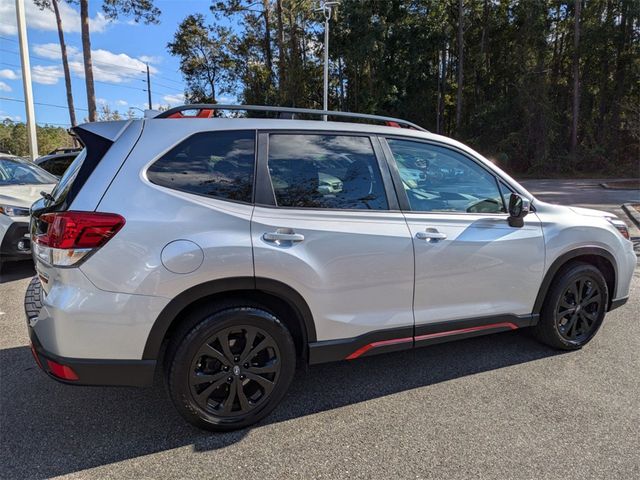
column 213, row 164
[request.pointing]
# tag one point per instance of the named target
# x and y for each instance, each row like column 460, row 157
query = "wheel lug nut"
column 226, row 368
column 241, row 377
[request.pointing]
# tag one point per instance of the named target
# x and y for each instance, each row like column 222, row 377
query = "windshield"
column 16, row 171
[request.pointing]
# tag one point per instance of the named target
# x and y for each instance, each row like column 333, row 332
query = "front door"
column 474, row 272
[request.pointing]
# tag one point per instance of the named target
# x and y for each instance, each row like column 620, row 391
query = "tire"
column 33, row 298
column 574, row 307
column 222, row 387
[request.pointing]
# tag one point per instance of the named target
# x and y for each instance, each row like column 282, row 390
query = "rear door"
column 327, row 223
column 473, row 270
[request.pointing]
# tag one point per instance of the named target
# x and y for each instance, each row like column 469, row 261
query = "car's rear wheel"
column 574, row 308
column 231, row 369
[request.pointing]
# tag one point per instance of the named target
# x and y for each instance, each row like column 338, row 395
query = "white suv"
column 208, row 246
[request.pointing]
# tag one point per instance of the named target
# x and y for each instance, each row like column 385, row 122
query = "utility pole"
column 149, row 87
column 327, row 9
column 26, row 80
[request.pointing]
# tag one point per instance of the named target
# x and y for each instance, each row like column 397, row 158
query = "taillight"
column 70, row 236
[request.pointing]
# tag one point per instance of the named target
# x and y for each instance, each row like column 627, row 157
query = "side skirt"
column 396, row 339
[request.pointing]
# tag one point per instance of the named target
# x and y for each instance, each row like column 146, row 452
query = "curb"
column 632, row 213
column 613, row 187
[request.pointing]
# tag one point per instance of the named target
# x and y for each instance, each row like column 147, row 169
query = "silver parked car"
column 20, row 185
column 210, row 246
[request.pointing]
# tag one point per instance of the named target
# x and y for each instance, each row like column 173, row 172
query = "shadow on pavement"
column 50, row 429
column 12, row 271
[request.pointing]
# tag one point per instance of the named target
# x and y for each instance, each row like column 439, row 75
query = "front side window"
column 437, row 179
column 325, row 171
column 214, row 164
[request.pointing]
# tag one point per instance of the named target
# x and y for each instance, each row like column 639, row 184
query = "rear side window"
column 215, row 164
column 62, row 189
column 325, row 171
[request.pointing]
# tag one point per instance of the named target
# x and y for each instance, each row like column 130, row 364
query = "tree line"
column 542, row 86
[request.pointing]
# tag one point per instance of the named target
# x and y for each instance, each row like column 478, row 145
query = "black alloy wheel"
column 574, row 307
column 578, row 309
column 227, row 367
column 235, row 370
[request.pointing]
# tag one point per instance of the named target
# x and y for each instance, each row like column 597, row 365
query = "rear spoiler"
column 109, row 131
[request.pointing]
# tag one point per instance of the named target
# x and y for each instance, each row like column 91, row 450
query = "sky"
column 120, row 51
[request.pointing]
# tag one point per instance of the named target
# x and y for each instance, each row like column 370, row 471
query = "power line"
column 172, row 89
column 99, row 62
column 42, row 104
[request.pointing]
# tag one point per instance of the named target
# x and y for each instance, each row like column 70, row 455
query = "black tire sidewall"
column 179, row 366
column 558, row 288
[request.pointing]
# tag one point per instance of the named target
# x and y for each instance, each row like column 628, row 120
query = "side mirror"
column 518, row 209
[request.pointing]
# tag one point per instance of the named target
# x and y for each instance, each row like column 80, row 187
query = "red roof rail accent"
column 201, row 113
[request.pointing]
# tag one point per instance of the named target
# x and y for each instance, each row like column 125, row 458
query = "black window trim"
column 265, row 195
column 402, row 194
column 213, row 197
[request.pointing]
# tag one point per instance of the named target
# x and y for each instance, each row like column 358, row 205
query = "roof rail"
column 206, row 110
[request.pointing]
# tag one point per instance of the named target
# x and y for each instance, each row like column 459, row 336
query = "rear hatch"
column 65, row 228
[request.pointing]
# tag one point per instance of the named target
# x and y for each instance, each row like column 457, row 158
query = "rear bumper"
column 133, row 373
column 85, row 371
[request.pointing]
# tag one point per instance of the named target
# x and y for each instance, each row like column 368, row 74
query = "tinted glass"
column 437, row 179
column 325, row 171
column 216, row 164
column 70, row 174
column 57, row 166
column 15, row 171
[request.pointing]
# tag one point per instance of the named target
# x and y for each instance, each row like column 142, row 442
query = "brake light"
column 70, row 236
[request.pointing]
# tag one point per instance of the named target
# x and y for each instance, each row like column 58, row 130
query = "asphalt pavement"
column 495, row 407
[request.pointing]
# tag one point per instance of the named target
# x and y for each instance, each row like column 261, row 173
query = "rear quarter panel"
column 155, row 216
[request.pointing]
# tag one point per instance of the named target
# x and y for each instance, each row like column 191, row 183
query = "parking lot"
column 501, row 406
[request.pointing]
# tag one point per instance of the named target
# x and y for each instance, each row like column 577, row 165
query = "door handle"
column 283, row 236
column 431, row 234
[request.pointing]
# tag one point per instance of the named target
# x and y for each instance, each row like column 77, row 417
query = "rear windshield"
column 69, row 176
column 16, row 171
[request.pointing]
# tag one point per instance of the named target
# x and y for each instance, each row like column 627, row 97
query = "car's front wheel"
column 574, row 307
column 231, row 369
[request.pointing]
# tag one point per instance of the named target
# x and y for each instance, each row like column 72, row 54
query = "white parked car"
column 21, row 182
column 209, row 246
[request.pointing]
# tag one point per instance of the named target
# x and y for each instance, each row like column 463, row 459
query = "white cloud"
column 150, row 59
column 6, row 116
column 122, row 103
column 112, row 67
column 4, row 87
column 52, row 51
column 45, row 19
column 46, row 75
column 8, row 74
column 173, row 99
column 107, row 66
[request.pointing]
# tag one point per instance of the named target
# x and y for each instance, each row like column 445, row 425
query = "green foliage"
column 13, row 138
column 401, row 58
column 141, row 10
column 204, row 58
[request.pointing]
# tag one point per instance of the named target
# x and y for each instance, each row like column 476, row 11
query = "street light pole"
column 326, row 8
column 26, row 80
